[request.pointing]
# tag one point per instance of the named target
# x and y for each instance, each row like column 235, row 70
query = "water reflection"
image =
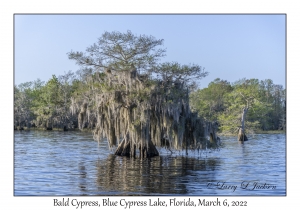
column 70, row 163
column 158, row 175
column 82, row 177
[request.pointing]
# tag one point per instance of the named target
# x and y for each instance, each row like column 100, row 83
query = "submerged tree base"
column 126, row 149
column 242, row 136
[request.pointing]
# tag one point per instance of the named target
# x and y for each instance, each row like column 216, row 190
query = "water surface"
column 72, row 163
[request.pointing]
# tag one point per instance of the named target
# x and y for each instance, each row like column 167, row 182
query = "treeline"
column 47, row 105
column 224, row 102
column 54, row 104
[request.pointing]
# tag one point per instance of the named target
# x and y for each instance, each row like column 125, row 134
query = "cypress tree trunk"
column 242, row 136
column 213, row 138
column 124, row 149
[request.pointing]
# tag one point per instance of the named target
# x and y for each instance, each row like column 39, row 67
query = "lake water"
column 72, row 163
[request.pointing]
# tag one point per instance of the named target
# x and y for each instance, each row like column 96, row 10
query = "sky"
column 229, row 47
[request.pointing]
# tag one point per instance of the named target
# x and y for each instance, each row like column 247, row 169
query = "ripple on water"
column 72, row 163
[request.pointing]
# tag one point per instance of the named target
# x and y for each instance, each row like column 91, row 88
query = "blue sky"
column 229, row 47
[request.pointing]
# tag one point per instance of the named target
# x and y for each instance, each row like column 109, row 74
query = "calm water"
column 72, row 163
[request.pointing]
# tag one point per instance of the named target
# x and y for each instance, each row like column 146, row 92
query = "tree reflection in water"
column 158, row 175
column 82, row 177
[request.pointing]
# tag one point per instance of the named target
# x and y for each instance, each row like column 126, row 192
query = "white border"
column 8, row 8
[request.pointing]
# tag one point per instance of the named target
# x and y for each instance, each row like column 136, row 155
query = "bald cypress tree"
column 138, row 103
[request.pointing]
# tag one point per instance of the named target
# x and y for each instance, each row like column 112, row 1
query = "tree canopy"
column 120, row 51
column 224, row 102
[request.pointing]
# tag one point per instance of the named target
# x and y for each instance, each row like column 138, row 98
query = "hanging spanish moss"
column 138, row 114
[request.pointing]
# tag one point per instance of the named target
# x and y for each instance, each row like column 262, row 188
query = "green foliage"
column 44, row 105
column 173, row 71
column 209, row 102
column 25, row 95
column 121, row 51
column 224, row 102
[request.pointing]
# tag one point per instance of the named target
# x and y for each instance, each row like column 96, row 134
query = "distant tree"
column 274, row 96
column 46, row 105
column 24, row 96
column 210, row 102
column 282, row 124
column 279, row 107
column 52, row 103
column 22, row 103
column 65, row 119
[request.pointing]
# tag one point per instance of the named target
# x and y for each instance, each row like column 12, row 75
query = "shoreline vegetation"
column 91, row 130
column 122, row 93
column 256, row 132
